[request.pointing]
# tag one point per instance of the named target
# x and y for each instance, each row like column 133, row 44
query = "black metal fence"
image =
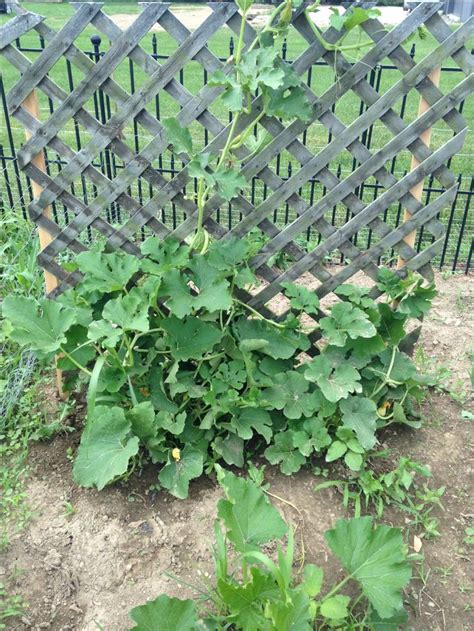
column 15, row 189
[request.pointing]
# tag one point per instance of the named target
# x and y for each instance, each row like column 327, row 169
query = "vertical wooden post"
column 417, row 190
column 31, row 105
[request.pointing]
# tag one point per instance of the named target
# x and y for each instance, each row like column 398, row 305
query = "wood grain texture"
column 162, row 76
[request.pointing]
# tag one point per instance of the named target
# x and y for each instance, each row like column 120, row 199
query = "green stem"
column 129, row 352
column 335, row 589
column 216, row 356
column 333, row 47
column 389, row 371
column 73, row 361
column 258, row 314
column 133, row 396
column 241, row 138
column 201, row 202
column 229, row 141
column 268, row 27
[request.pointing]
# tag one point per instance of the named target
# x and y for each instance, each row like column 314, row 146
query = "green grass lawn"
column 193, row 78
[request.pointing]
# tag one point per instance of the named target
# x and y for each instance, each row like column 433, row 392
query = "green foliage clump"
column 257, row 592
column 180, row 370
column 183, row 373
column 405, row 487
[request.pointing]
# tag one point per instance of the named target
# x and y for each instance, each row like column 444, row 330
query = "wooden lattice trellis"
column 162, row 77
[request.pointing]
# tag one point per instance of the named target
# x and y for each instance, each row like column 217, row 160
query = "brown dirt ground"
column 88, row 569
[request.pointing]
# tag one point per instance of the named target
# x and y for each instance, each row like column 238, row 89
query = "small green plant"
column 399, row 487
column 11, row 605
column 445, row 572
column 69, row 509
column 253, row 591
column 469, row 538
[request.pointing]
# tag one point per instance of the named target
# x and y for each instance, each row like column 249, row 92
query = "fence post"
column 31, row 105
column 417, row 190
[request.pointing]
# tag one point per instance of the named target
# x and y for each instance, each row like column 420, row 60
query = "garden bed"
column 87, row 557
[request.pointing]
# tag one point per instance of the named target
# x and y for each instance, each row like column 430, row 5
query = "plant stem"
column 259, row 315
column 241, row 138
column 76, row 363
column 333, row 47
column 133, row 396
column 335, row 589
column 389, row 371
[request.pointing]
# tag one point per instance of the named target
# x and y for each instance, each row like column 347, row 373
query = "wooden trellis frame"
column 35, row 75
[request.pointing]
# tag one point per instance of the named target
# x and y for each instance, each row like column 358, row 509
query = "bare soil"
column 89, row 568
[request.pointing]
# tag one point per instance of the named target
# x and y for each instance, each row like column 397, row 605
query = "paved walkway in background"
column 192, row 17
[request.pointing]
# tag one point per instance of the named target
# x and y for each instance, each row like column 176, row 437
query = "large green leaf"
column 233, row 94
column 335, row 608
column 417, row 302
column 248, row 516
column 290, row 394
column 281, row 344
column 246, row 421
column 176, row 475
column 246, row 602
column 360, row 414
column 129, row 311
column 346, row 321
column 375, row 557
column 190, row 338
column 301, row 298
column 294, row 615
column 174, row 287
column 108, row 332
column 213, row 290
column 244, row 5
column 159, row 398
column 400, row 365
column 167, row 253
column 170, row 422
column 39, row 324
column 336, row 381
column 392, row 324
column 231, row 448
column 259, row 68
column 106, row 272
column 312, row 579
column 229, row 183
column 77, row 347
column 142, row 419
column 313, row 436
column 288, row 104
column 283, row 452
column 165, row 614
column 228, row 254
column 105, row 449
column 413, row 298
column 394, row 623
column 178, row 136
column 197, row 167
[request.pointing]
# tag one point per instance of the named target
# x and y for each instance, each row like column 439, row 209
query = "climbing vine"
column 179, row 370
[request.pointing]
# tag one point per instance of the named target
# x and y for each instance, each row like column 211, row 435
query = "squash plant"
column 254, row 592
column 183, row 373
column 259, row 71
